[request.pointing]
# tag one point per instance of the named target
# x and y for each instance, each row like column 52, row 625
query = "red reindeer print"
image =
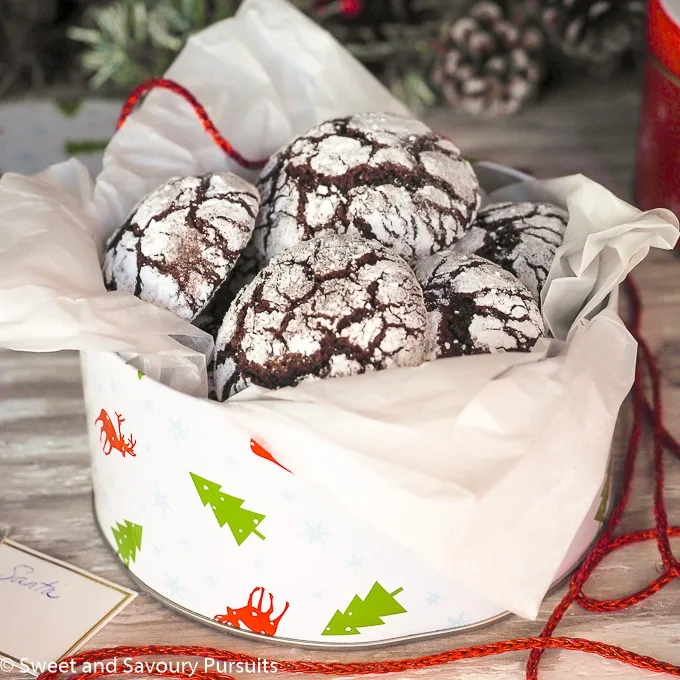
column 252, row 616
column 111, row 436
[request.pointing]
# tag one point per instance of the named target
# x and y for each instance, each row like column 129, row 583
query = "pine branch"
column 132, row 40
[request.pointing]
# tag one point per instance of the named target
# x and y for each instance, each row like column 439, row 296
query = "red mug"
column 657, row 177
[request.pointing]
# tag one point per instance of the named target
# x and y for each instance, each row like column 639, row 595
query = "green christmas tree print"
column 367, row 612
column 128, row 538
column 227, row 509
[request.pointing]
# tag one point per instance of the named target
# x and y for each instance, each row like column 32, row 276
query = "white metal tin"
column 214, row 530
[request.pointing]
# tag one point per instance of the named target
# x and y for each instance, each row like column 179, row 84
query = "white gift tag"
column 49, row 609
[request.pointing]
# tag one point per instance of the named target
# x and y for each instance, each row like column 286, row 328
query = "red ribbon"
column 199, row 110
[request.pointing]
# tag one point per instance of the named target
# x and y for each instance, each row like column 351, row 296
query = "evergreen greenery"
column 129, row 41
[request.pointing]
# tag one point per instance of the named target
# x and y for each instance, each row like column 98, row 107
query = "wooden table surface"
column 46, row 487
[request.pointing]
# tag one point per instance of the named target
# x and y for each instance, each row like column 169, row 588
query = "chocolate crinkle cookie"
column 328, row 307
column 383, row 177
column 475, row 307
column 180, row 243
column 520, row 237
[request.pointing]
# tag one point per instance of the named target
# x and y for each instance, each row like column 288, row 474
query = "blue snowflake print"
column 318, row 594
column 142, row 508
column 184, row 543
column 433, row 599
column 257, row 563
column 177, row 431
column 457, row 621
column 148, row 406
column 160, row 500
column 288, row 495
column 101, row 387
column 156, row 550
column 355, row 563
column 315, row 533
column 102, row 494
column 175, row 587
column 231, row 460
column 210, row 581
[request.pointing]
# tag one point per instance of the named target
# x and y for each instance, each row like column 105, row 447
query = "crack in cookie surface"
column 378, row 176
column 180, row 243
column 329, row 307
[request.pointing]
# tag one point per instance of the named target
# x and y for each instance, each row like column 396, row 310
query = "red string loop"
column 645, row 411
column 199, row 110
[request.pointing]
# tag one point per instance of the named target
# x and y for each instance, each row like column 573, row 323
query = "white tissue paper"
column 470, row 462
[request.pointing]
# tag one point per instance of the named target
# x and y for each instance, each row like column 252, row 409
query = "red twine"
column 645, row 410
column 199, row 110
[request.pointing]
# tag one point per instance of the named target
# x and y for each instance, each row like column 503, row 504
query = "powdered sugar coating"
column 383, row 177
column 328, row 307
column 182, row 240
column 475, row 307
column 520, row 237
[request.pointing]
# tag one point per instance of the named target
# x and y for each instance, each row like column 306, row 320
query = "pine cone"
column 594, row 31
column 487, row 65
